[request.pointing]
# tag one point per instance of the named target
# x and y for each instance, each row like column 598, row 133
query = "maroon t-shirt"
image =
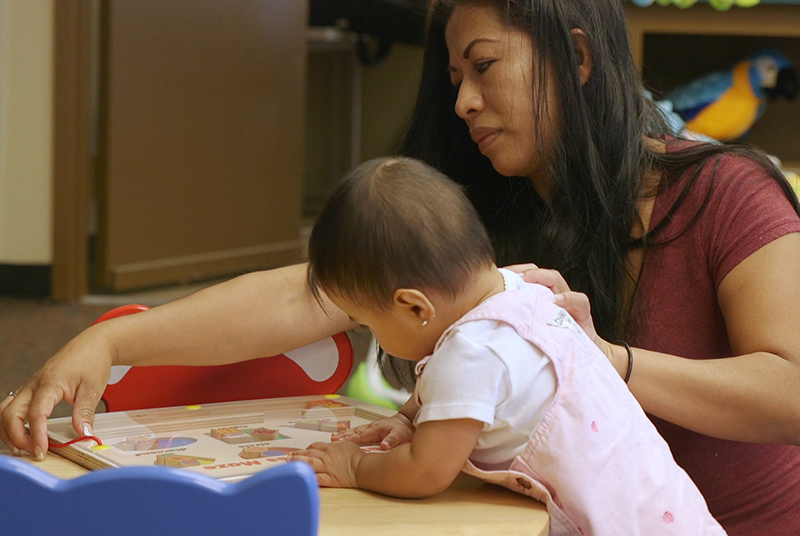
column 752, row 489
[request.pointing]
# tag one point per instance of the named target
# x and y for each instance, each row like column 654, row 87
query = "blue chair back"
column 280, row 501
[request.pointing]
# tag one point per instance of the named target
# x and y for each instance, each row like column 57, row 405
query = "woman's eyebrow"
column 475, row 42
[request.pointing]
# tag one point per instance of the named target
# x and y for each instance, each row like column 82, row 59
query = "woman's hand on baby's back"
column 575, row 303
column 388, row 433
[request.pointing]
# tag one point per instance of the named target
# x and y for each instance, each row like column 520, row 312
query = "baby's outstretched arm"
column 423, row 467
column 389, row 432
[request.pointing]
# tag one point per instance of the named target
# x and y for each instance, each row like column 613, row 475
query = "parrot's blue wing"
column 690, row 99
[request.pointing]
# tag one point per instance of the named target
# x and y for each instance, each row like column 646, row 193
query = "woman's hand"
column 389, row 432
column 78, row 373
column 577, row 305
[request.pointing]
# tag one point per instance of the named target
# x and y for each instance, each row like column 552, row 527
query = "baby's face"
column 397, row 332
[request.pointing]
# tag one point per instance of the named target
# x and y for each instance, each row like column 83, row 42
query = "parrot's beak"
column 787, row 85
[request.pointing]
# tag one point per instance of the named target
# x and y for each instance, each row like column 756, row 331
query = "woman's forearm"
column 753, row 397
column 255, row 315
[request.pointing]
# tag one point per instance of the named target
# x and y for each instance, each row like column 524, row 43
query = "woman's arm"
column 256, row 315
column 754, row 396
column 421, row 468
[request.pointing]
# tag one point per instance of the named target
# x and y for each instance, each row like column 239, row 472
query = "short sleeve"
column 462, row 380
column 747, row 211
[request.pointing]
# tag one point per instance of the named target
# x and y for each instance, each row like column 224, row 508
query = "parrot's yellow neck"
column 741, row 80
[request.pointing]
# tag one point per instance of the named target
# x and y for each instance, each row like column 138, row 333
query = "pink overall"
column 595, row 460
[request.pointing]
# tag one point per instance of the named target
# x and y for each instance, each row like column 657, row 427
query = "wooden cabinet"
column 201, row 139
column 673, row 46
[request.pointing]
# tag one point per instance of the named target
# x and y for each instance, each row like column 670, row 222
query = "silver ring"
column 11, row 394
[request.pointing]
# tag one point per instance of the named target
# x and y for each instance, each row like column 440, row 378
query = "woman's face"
column 491, row 67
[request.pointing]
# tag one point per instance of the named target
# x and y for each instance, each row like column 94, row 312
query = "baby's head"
column 396, row 223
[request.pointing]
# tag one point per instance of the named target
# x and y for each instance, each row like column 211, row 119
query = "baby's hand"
column 389, row 432
column 335, row 464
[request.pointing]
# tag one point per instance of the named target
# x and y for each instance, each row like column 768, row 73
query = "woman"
column 686, row 251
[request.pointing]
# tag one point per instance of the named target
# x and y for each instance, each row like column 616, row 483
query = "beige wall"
column 26, row 125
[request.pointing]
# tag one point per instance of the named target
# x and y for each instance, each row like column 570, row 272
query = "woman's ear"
column 414, row 305
column 583, row 51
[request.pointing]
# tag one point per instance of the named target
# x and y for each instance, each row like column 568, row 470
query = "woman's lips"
column 484, row 136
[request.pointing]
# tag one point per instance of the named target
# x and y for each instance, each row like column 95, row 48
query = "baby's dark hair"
column 396, row 222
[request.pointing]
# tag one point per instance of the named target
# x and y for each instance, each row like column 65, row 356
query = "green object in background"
column 368, row 384
column 794, row 180
column 359, row 388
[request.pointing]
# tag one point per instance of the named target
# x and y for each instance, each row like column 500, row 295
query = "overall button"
column 524, row 483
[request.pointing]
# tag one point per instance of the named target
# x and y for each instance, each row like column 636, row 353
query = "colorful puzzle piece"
column 325, row 403
column 138, row 443
column 322, row 425
column 231, row 436
column 176, row 460
column 264, row 434
column 251, row 453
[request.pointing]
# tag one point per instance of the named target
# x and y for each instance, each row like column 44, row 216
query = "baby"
column 509, row 388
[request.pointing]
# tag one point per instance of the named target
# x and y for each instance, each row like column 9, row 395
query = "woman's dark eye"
column 456, row 86
column 481, row 66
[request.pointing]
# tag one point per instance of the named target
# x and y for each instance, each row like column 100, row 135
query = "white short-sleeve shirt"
column 485, row 371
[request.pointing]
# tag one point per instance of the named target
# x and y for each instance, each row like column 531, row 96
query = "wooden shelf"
column 673, row 46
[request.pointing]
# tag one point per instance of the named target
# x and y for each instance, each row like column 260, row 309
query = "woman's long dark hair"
column 597, row 161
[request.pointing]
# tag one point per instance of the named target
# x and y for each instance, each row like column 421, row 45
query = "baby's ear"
column 414, row 303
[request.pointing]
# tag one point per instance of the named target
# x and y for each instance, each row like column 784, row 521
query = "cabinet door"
column 201, row 139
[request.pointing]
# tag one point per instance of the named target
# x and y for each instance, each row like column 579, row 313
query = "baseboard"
column 25, row 280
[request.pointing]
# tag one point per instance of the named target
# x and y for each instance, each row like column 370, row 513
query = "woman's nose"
column 469, row 101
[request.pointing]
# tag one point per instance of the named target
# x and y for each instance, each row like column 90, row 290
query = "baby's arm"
column 423, row 467
column 389, row 432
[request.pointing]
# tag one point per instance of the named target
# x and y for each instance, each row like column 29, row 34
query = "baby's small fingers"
column 361, row 434
column 391, row 440
column 302, row 456
column 327, row 481
column 344, row 434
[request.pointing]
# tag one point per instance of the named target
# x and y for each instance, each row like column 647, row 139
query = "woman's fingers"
column 13, row 431
column 86, row 399
column 522, row 268
column 577, row 305
column 551, row 279
column 4, row 437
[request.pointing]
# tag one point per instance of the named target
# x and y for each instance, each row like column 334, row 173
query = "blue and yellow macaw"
column 724, row 105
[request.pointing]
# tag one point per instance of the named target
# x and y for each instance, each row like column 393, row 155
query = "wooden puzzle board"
column 229, row 441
